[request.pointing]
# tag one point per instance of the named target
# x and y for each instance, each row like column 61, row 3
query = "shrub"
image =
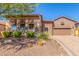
column 43, row 36
column 6, row 34
column 16, row 34
column 30, row 34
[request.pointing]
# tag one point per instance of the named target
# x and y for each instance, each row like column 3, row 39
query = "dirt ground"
column 52, row 48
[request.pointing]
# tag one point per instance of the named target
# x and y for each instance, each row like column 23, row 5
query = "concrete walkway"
column 69, row 43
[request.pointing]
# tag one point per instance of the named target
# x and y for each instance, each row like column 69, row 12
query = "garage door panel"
column 62, row 32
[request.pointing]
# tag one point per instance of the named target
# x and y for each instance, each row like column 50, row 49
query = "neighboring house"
column 4, row 26
column 63, row 26
column 77, row 29
column 35, row 22
column 77, row 25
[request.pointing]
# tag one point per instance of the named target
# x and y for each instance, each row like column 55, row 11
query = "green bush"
column 16, row 34
column 30, row 34
column 43, row 36
column 6, row 34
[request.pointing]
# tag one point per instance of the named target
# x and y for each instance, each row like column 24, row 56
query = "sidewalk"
column 69, row 43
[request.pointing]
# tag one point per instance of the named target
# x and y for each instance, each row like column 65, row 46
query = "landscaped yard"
column 14, row 43
column 51, row 48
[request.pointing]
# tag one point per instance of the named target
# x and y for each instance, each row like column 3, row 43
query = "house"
column 35, row 22
column 76, row 29
column 4, row 26
column 26, row 22
column 63, row 26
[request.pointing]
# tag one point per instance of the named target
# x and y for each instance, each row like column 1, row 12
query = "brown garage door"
column 64, row 31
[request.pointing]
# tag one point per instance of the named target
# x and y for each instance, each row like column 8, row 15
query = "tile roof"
column 47, row 21
column 24, row 15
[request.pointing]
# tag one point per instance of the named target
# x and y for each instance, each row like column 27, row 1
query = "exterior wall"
column 2, row 27
column 67, row 23
column 11, row 21
column 66, row 29
column 50, row 28
column 36, row 22
column 28, row 19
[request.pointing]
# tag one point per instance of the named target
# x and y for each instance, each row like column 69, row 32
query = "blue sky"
column 51, row 11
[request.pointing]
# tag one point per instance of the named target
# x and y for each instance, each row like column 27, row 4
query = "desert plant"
column 6, row 34
column 30, row 34
column 43, row 36
column 16, row 34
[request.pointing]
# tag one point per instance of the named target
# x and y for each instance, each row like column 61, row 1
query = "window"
column 22, row 26
column 46, row 29
column 13, row 27
column 62, row 23
column 31, row 26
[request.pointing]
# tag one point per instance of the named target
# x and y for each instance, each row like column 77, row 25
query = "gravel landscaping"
column 51, row 48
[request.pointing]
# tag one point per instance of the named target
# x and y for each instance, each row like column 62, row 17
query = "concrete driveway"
column 69, row 43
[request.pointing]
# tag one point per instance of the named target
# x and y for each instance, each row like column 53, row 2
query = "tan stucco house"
column 63, row 26
column 35, row 22
column 4, row 26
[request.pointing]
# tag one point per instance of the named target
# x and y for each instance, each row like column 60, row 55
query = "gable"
column 65, row 18
column 64, row 23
